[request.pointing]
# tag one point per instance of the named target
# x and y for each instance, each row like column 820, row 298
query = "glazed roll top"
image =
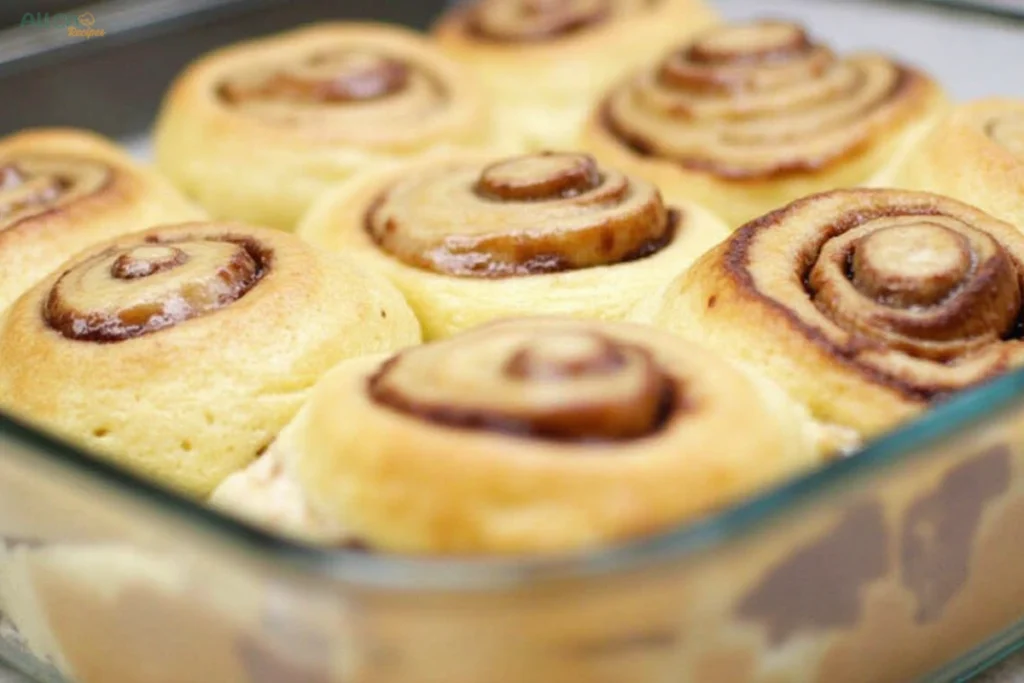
column 256, row 131
column 545, row 61
column 975, row 154
column 180, row 351
column 541, row 214
column 763, row 110
column 532, row 435
column 868, row 305
column 62, row 190
column 470, row 238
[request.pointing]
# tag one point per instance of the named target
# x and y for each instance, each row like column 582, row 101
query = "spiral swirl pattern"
column 32, row 184
column 540, row 213
column 921, row 290
column 569, row 384
column 524, row 21
column 129, row 291
column 760, row 101
column 871, row 304
column 353, row 85
column 932, row 287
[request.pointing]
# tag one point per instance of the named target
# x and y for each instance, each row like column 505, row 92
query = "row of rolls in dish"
column 611, row 349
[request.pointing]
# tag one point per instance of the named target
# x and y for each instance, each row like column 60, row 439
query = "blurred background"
column 114, row 84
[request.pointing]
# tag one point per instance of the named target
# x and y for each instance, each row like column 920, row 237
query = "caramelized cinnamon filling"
column 126, row 292
column 553, row 383
column 539, row 177
column 931, row 287
column 759, row 100
column 540, row 213
column 34, row 184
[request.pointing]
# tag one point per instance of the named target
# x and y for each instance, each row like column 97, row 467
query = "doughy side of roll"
column 525, row 435
column 179, row 352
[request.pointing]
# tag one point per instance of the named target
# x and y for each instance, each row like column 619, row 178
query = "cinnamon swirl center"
column 126, row 292
column 553, row 383
column 919, row 264
column 539, row 177
column 534, row 214
column 932, row 287
column 34, row 184
column 362, row 92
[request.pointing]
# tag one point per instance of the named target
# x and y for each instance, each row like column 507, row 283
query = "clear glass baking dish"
column 902, row 562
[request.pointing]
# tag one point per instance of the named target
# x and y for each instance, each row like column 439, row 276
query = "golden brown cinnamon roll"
column 468, row 238
column 180, row 351
column 257, row 130
column 546, row 61
column 975, row 154
column 62, row 190
column 750, row 116
column 538, row 434
column 867, row 305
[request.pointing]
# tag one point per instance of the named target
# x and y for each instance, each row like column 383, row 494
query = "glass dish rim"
column 962, row 412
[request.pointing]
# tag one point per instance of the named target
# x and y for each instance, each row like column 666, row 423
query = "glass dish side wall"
column 880, row 568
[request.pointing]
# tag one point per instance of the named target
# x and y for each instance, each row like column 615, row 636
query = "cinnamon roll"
column 180, row 351
column 750, row 116
column 975, row 154
column 530, row 435
column 470, row 238
column 867, row 305
column 62, row 190
column 257, row 130
column 546, row 61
